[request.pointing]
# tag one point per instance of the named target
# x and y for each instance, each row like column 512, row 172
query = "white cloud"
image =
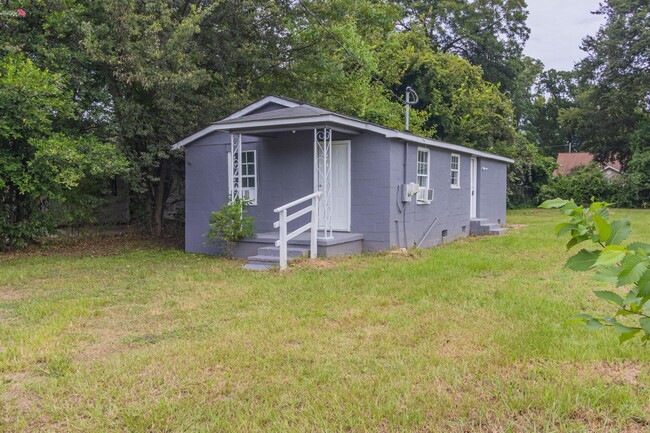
column 557, row 29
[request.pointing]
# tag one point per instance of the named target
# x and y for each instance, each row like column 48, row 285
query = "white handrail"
column 312, row 225
column 300, row 200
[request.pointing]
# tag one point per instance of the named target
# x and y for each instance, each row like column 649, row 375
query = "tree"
column 461, row 106
column 613, row 102
column 528, row 175
column 347, row 56
column 40, row 165
column 171, row 67
column 545, row 122
column 487, row 33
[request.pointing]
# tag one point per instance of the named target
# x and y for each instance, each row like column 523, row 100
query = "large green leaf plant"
column 627, row 265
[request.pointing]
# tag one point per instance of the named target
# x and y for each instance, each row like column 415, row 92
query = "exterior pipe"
column 427, row 233
column 406, row 146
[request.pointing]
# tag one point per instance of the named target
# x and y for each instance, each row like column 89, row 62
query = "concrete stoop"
column 482, row 227
column 269, row 257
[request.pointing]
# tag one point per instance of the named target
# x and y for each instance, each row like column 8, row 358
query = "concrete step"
column 497, row 231
column 264, row 259
column 481, row 227
column 255, row 267
column 275, row 251
column 261, row 262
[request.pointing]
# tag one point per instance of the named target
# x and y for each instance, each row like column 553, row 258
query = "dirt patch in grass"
column 15, row 396
column 9, row 294
column 93, row 246
column 315, row 264
column 597, row 423
column 516, row 226
column 621, row 373
column 105, row 341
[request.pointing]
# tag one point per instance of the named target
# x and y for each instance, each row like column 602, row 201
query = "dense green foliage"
column 625, row 266
column 584, row 184
column 230, row 224
column 143, row 74
column 612, row 102
column 42, row 166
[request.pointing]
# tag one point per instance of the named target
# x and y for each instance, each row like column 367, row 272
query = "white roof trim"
column 611, row 167
column 262, row 102
column 339, row 120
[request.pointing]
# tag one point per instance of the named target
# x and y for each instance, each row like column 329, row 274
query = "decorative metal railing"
column 285, row 218
column 235, row 176
column 323, row 177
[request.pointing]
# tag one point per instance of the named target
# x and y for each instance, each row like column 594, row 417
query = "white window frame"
column 247, row 192
column 455, row 185
column 421, row 197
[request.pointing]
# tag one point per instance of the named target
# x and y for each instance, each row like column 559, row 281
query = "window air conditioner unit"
column 249, row 194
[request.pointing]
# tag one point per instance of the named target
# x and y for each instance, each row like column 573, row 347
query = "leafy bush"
column 627, row 266
column 41, row 168
column 527, row 175
column 230, row 224
column 582, row 184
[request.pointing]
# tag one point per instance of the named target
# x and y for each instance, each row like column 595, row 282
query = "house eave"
column 333, row 121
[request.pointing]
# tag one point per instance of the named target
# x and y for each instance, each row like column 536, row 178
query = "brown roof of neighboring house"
column 567, row 162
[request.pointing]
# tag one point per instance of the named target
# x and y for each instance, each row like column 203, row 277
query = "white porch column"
column 323, row 178
column 234, row 177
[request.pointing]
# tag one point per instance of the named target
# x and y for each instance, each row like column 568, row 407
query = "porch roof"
column 299, row 115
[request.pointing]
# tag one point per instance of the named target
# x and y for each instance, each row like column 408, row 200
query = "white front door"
column 340, row 201
column 472, row 188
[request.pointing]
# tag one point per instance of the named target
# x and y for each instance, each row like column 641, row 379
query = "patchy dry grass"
column 467, row 337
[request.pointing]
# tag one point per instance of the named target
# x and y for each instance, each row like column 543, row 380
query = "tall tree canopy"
column 143, row 74
column 613, row 104
column 41, row 163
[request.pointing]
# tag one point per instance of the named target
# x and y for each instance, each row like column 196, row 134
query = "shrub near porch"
column 470, row 336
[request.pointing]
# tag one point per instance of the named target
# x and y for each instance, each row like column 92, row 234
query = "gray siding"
column 371, row 190
column 450, row 206
column 492, row 184
column 378, row 167
column 284, row 174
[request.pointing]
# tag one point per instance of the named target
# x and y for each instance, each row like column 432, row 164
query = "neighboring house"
column 567, row 162
column 286, row 150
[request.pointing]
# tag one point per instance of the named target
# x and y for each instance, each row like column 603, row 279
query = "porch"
column 262, row 253
column 319, row 221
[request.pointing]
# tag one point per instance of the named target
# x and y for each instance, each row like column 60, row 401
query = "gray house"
column 350, row 185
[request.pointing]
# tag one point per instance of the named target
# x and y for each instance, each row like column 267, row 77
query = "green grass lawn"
column 467, row 337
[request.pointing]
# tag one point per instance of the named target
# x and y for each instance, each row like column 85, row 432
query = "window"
column 248, row 176
column 455, row 171
column 423, row 175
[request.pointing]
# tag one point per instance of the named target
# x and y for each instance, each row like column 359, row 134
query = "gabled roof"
column 299, row 114
column 567, row 162
column 286, row 102
column 281, row 113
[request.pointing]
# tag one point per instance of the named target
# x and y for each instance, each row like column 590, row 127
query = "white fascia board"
column 244, row 124
column 262, row 102
column 184, row 142
column 334, row 119
column 611, row 167
column 442, row 145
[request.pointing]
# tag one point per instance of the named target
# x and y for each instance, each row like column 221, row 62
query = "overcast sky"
column 557, row 28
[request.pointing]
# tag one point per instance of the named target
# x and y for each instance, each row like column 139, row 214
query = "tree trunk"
column 159, row 198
